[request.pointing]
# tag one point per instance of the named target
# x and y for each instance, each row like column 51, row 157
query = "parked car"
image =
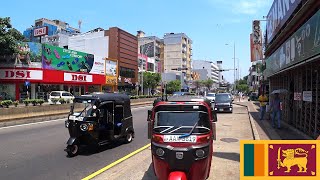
column 211, row 96
column 223, row 102
column 60, row 94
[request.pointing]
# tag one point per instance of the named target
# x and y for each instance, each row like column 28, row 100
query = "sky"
column 211, row 24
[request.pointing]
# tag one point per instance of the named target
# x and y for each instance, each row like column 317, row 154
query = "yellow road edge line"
column 116, row 162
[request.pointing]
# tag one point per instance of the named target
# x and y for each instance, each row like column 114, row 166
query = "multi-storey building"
column 207, row 69
column 57, row 32
column 177, row 54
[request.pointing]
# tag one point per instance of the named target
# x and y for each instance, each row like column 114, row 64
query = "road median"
column 31, row 114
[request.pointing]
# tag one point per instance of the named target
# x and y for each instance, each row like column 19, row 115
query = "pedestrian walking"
column 263, row 99
column 240, row 96
column 276, row 110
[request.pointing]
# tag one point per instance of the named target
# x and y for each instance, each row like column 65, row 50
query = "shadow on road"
column 91, row 149
column 228, row 155
column 149, row 174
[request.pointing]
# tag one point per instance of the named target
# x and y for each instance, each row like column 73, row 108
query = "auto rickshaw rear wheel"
column 72, row 150
column 129, row 137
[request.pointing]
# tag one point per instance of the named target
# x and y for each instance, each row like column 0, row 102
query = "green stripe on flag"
column 248, row 160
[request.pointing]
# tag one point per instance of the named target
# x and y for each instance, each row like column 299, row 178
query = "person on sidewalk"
column 263, row 99
column 276, row 110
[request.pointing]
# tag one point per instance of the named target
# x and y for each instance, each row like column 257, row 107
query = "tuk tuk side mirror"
column 214, row 116
column 214, row 130
column 149, row 115
column 71, row 109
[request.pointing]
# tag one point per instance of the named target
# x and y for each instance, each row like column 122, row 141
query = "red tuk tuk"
column 182, row 130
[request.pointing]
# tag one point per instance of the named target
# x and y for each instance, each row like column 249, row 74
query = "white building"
column 93, row 42
column 211, row 68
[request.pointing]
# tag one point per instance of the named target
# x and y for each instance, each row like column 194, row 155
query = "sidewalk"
column 231, row 128
column 265, row 129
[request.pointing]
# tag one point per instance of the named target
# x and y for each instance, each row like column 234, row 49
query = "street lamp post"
column 234, row 65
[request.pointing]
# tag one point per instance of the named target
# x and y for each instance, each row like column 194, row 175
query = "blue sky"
column 209, row 23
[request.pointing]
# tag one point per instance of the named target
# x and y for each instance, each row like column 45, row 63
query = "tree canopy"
column 151, row 80
column 173, row 86
column 9, row 37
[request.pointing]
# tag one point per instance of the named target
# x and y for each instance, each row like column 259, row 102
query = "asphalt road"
column 37, row 151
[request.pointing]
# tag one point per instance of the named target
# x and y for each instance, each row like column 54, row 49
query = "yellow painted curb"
column 116, row 162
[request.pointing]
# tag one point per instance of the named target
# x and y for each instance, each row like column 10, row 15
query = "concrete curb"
column 27, row 120
column 254, row 130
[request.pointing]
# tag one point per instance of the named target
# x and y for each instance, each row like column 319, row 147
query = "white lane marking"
column 63, row 119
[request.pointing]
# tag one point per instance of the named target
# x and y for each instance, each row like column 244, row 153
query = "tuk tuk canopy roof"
column 185, row 99
column 117, row 98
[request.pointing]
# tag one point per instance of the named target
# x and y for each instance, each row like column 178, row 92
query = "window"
column 66, row 94
column 127, row 72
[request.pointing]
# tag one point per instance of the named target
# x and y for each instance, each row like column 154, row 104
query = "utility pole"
column 234, row 65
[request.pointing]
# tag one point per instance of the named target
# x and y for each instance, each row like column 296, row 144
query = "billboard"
column 256, row 50
column 41, row 31
column 278, row 15
column 256, row 30
column 111, row 67
column 57, row 58
column 29, row 56
column 301, row 45
column 98, row 65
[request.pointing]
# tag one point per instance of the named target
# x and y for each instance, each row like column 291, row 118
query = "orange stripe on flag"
column 259, row 160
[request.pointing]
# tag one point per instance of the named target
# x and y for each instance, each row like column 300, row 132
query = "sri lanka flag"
column 274, row 159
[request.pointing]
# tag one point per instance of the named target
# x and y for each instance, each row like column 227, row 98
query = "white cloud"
column 247, row 7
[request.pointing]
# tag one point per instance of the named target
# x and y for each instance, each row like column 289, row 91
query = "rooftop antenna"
column 79, row 24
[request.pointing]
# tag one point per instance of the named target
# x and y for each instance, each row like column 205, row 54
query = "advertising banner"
column 73, row 77
column 256, row 31
column 278, row 15
column 256, row 50
column 303, row 44
column 98, row 65
column 111, row 68
column 111, row 80
column 57, row 58
column 297, row 96
column 29, row 56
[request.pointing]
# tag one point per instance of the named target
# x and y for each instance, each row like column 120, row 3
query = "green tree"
column 151, row 80
column 173, row 86
column 208, row 83
column 9, row 37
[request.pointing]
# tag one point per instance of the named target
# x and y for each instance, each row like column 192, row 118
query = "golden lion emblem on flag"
column 292, row 160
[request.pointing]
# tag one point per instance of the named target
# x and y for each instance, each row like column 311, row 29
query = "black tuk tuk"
column 98, row 119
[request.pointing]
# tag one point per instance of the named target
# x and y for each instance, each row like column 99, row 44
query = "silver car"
column 211, row 96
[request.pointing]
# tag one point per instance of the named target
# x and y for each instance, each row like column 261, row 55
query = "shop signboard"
column 307, row 96
column 28, row 56
column 111, row 67
column 56, row 58
column 297, row 96
column 41, row 31
column 11, row 74
column 303, row 44
column 73, row 77
column 256, row 50
column 278, row 15
column 111, row 80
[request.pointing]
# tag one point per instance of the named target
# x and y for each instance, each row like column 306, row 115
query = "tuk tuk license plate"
column 175, row 138
column 220, row 109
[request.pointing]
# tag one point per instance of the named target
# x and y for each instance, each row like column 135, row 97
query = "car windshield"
column 223, row 98
column 83, row 108
column 180, row 122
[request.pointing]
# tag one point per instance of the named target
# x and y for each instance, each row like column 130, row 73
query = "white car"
column 68, row 97
column 211, row 96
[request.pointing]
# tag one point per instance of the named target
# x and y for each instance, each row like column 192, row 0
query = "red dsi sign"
column 77, row 77
column 40, row 31
column 21, row 74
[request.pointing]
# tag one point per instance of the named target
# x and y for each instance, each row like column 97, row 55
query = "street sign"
column 27, row 83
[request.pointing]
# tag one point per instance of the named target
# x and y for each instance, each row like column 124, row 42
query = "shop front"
column 294, row 66
column 21, row 83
